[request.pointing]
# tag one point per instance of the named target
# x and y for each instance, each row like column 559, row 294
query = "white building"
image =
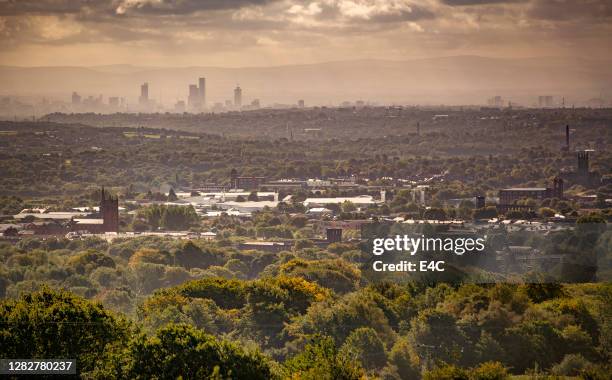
column 359, row 201
column 248, row 206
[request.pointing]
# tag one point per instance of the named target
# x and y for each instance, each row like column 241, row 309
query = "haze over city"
column 313, row 190
column 326, row 52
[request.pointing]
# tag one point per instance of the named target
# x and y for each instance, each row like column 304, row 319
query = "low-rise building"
column 511, row 195
column 359, row 201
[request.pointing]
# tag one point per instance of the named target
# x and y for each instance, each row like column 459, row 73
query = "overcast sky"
column 276, row 32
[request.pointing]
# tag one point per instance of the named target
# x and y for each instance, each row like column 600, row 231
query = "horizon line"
column 311, row 63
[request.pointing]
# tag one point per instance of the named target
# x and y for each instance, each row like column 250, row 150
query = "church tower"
column 109, row 210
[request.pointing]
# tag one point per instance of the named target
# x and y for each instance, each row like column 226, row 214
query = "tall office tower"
column 202, row 89
column 76, row 98
column 193, row 100
column 301, row 103
column 237, row 97
column 144, row 94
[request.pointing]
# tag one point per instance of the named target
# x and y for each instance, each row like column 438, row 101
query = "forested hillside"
column 48, row 159
column 160, row 307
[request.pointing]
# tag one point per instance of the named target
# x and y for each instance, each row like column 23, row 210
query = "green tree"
column 364, row 345
column 485, row 213
column 299, row 221
column 180, row 351
column 490, row 371
column 447, row 372
column 57, row 324
column 435, row 334
column 321, row 360
column 434, row 214
column 190, row 255
column 253, row 196
column 405, row 359
column 348, row 206
column 546, row 212
column 179, row 217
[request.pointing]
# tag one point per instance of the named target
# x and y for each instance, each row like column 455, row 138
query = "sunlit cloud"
column 228, row 32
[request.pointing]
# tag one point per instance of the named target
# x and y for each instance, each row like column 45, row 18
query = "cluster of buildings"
column 581, row 176
column 197, row 101
column 544, row 101
column 508, row 197
column 96, row 103
column 246, row 194
column 98, row 220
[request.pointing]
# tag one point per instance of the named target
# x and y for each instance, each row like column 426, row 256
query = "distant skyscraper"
column 144, row 94
column 76, row 98
column 202, row 91
column 496, row 101
column 194, row 96
column 238, row 97
column 301, row 103
column 113, row 101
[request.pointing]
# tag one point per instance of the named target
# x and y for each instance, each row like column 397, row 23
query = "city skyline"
column 306, row 189
column 327, row 52
column 460, row 80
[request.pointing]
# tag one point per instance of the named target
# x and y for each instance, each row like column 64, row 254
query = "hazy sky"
column 276, row 32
